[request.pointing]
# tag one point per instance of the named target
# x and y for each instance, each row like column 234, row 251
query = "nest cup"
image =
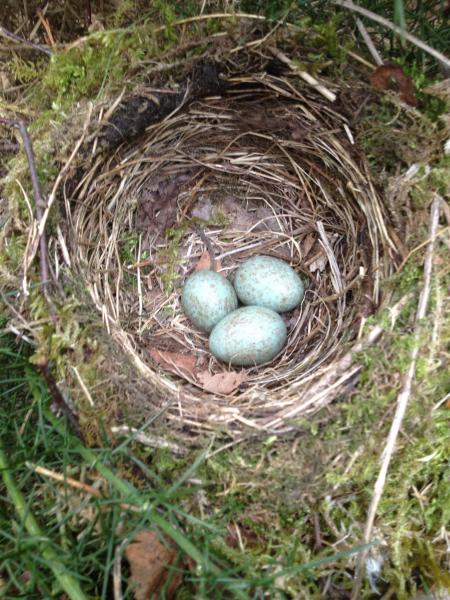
column 268, row 168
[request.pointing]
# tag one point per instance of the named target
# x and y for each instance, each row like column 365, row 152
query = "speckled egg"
column 250, row 335
column 206, row 298
column 270, row 282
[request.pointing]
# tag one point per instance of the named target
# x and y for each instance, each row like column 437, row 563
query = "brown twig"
column 58, row 398
column 38, row 199
column 18, row 39
column 402, row 398
column 75, row 484
column 48, row 29
column 348, row 4
column 87, row 14
column 307, row 77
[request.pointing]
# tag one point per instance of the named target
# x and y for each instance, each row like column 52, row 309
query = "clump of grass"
column 58, row 539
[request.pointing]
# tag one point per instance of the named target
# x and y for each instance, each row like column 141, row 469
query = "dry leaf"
column 392, row 77
column 221, row 383
column 182, row 365
column 149, row 560
column 204, row 263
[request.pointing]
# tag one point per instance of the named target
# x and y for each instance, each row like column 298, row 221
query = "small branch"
column 40, row 203
column 309, row 79
column 402, row 398
column 348, row 4
column 48, row 29
column 75, row 484
column 16, row 38
column 117, row 570
column 368, row 41
column 149, row 440
column 58, row 398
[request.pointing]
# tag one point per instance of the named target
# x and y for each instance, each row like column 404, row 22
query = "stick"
column 402, row 398
column 309, row 79
column 52, row 197
column 38, row 200
column 16, row 38
column 441, row 58
column 77, row 485
column 58, row 398
column 117, row 570
column 149, row 440
column 368, row 41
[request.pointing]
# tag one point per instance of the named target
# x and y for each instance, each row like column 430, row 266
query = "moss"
column 170, row 256
column 85, row 72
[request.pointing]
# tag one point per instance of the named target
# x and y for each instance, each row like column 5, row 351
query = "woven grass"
column 280, row 152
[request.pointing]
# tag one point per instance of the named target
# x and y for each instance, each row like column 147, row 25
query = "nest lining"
column 268, row 150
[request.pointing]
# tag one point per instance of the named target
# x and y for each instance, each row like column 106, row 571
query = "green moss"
column 170, row 257
column 26, row 71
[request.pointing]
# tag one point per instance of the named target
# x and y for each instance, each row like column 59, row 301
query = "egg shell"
column 206, row 298
column 250, row 335
column 270, row 282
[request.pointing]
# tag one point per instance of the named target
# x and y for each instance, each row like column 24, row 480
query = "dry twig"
column 368, row 41
column 403, row 397
column 441, row 58
column 40, row 203
column 309, row 79
column 20, row 40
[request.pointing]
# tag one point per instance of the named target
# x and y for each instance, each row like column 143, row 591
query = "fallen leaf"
column 149, row 560
column 392, row 77
column 204, row 263
column 221, row 383
column 183, row 365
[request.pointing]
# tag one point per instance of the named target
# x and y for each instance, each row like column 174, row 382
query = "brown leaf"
column 182, row 365
column 204, row 263
column 149, row 560
column 392, row 77
column 221, row 383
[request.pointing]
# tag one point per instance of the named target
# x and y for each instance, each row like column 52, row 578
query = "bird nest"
column 269, row 167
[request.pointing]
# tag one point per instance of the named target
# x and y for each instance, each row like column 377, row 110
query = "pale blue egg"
column 206, row 298
column 270, row 282
column 250, row 335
